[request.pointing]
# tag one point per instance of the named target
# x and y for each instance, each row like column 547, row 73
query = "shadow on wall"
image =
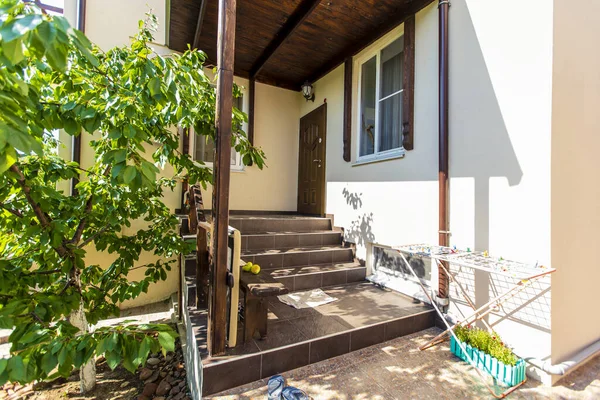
column 353, row 199
column 360, row 231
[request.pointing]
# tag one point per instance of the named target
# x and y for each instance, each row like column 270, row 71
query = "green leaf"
column 3, row 364
column 167, row 341
column 49, row 362
column 72, row 127
column 112, row 342
column 16, row 369
column 19, row 27
column 113, row 358
column 7, row 158
column 22, row 141
column 129, row 174
column 57, row 57
column 154, row 86
column 13, row 51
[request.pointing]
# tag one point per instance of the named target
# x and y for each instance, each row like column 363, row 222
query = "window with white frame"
column 204, row 146
column 380, row 85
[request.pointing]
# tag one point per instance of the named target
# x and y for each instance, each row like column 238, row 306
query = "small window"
column 205, row 147
column 380, row 103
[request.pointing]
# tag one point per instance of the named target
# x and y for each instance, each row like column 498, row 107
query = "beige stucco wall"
column 276, row 124
column 575, row 183
column 500, row 98
column 111, row 23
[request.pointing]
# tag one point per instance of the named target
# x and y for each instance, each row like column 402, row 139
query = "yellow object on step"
column 247, row 267
column 255, row 269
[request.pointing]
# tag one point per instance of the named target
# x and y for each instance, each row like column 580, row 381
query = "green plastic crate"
column 507, row 374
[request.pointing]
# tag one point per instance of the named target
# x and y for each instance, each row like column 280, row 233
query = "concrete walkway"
column 398, row 370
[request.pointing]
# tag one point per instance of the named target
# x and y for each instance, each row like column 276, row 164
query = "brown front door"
column 311, row 166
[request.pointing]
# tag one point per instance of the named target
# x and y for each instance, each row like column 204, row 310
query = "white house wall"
column 500, row 114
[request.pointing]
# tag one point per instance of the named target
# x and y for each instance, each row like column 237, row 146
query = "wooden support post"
column 221, row 167
column 347, row 108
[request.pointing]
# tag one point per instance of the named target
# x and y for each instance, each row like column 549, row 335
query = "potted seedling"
column 488, row 353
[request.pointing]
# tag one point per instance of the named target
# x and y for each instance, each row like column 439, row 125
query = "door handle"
column 319, row 161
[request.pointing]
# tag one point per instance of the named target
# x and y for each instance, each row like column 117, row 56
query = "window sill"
column 379, row 158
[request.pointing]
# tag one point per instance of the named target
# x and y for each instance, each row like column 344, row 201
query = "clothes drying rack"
column 523, row 274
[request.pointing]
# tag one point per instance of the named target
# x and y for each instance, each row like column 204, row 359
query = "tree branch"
column 39, row 213
column 44, row 220
column 94, row 236
column 11, row 210
column 88, row 209
column 79, row 231
column 54, row 271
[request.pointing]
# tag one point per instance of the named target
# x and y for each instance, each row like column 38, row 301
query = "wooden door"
column 311, row 166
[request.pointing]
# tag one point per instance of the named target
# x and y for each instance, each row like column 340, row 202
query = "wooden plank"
column 408, row 103
column 293, row 22
column 199, row 24
column 347, row 108
column 262, row 285
column 252, row 94
column 221, row 166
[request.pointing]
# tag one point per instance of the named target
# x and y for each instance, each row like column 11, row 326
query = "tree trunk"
column 87, row 372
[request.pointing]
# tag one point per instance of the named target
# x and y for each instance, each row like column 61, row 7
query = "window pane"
column 367, row 107
column 390, row 105
column 390, row 123
column 391, row 68
column 205, row 148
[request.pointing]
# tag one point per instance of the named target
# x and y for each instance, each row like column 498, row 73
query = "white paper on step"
column 308, row 299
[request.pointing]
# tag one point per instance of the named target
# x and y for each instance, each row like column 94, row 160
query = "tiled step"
column 277, row 258
column 280, row 240
column 317, row 276
column 363, row 315
column 271, row 224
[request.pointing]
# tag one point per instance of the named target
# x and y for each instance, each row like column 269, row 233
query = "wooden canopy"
column 287, row 42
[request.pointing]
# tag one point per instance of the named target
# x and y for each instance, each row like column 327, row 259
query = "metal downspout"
column 443, row 7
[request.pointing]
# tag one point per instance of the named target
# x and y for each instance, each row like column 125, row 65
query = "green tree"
column 131, row 100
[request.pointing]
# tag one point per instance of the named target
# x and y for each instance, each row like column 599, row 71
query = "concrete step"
column 298, row 256
column 273, row 224
column 281, row 240
column 308, row 277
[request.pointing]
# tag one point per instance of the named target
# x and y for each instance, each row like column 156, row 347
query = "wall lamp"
column 308, row 91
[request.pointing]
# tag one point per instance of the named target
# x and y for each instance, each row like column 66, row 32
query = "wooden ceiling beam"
column 199, row 23
column 357, row 46
column 293, row 22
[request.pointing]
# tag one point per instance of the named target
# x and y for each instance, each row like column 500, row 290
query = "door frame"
column 322, row 108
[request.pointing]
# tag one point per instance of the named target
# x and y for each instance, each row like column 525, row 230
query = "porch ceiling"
column 285, row 42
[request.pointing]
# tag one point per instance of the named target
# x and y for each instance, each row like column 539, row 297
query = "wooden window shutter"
column 408, row 102
column 347, row 108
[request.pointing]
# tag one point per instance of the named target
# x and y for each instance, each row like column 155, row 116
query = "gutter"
column 76, row 140
column 566, row 366
column 443, row 233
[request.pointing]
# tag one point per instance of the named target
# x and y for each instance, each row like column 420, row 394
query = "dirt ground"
column 119, row 384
